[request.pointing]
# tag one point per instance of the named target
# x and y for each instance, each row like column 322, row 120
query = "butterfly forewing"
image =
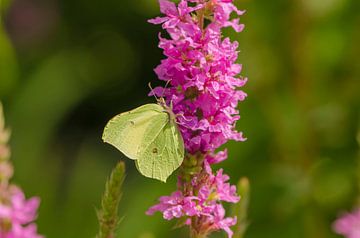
column 126, row 130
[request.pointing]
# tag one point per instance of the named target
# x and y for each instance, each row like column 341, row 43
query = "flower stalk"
column 108, row 215
column 203, row 86
column 241, row 208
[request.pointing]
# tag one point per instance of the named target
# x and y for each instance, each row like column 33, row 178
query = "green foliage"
column 4, row 4
column 108, row 215
column 8, row 63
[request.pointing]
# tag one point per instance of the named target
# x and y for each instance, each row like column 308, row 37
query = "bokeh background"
column 67, row 66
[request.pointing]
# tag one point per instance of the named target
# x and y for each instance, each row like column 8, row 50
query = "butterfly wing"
column 128, row 131
column 161, row 154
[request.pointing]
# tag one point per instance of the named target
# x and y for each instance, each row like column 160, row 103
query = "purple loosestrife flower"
column 211, row 189
column 201, row 70
column 16, row 213
column 348, row 225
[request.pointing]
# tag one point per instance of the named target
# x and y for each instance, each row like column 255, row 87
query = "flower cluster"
column 16, row 213
column 201, row 72
column 348, row 225
column 203, row 205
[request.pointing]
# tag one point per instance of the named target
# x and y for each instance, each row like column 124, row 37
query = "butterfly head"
column 161, row 101
column 169, row 109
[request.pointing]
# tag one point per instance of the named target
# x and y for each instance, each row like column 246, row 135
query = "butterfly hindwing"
column 163, row 155
column 178, row 142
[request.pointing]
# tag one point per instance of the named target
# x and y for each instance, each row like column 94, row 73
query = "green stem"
column 196, row 235
column 200, row 14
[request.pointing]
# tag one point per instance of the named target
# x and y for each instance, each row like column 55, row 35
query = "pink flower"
column 206, row 205
column 348, row 224
column 220, row 222
column 225, row 191
column 19, row 213
column 23, row 211
column 175, row 206
column 175, row 16
column 18, row 231
column 216, row 158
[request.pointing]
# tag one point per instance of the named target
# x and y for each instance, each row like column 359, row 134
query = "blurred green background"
column 67, row 66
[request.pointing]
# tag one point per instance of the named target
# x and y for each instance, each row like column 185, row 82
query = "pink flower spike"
column 203, row 72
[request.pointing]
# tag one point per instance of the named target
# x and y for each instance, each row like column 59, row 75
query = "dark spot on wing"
column 132, row 122
column 155, row 150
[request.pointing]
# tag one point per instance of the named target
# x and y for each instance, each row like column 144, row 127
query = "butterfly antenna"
column 163, row 92
column 153, row 92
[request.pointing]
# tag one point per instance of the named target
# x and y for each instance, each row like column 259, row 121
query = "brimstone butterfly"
column 150, row 136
